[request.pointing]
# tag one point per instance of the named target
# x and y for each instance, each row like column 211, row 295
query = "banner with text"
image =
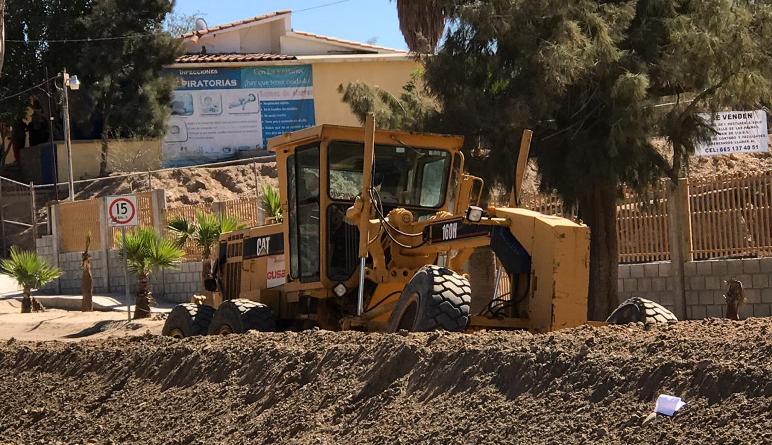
column 738, row 132
column 218, row 112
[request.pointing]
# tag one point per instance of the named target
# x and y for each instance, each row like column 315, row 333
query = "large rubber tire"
column 241, row 315
column 641, row 310
column 188, row 320
column 436, row 298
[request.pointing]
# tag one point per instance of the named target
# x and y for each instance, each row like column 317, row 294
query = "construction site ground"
column 583, row 385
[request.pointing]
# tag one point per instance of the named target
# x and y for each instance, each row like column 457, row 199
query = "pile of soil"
column 185, row 186
column 585, row 385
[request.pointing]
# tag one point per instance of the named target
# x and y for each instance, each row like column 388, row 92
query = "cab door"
column 304, row 223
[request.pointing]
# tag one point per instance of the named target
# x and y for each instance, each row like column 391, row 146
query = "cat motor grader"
column 377, row 231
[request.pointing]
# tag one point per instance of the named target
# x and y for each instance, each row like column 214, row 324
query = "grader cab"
column 377, row 232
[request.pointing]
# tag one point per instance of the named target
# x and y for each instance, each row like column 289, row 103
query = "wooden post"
column 2, row 221
column 104, row 239
column 54, row 215
column 679, row 214
column 522, row 162
column 260, row 211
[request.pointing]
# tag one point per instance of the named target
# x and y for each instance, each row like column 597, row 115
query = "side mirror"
column 210, row 284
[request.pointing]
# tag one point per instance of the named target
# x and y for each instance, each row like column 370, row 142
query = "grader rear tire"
column 241, row 315
column 641, row 310
column 436, row 298
column 188, row 320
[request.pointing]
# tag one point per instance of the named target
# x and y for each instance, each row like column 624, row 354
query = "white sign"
column 122, row 211
column 276, row 274
column 738, row 132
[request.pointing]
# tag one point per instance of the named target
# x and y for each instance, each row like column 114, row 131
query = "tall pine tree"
column 591, row 78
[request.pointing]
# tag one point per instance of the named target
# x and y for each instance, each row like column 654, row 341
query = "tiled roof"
column 347, row 42
column 234, row 24
column 210, row 58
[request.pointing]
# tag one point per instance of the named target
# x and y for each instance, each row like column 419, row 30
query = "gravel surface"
column 585, row 385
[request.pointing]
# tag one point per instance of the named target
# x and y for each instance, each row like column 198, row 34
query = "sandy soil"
column 191, row 185
column 55, row 324
column 585, row 385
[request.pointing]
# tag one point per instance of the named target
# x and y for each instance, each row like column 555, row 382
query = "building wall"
column 704, row 284
column 123, row 155
column 330, row 109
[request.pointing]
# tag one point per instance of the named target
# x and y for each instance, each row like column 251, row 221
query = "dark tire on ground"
column 241, row 315
column 436, row 298
column 641, row 310
column 188, row 320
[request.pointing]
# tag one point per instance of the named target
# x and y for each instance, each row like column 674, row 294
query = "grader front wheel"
column 436, row 298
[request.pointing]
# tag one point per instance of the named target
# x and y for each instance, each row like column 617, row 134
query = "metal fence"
column 25, row 208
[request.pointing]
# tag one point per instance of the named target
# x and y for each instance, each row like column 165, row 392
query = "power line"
column 28, row 89
column 321, row 6
column 89, row 39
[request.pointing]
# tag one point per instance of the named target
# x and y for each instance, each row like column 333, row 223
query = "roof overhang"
column 302, row 60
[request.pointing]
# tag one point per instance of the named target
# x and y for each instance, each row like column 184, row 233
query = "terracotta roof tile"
column 234, row 24
column 231, row 57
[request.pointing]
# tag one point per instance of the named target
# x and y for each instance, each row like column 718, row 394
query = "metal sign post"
column 122, row 211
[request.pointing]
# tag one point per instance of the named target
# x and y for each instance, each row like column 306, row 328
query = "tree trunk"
column 26, row 301
column 103, row 153
column 600, row 213
column 2, row 35
column 142, row 308
column 206, row 272
column 86, row 285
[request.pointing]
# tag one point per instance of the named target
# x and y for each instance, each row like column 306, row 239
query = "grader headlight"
column 474, row 214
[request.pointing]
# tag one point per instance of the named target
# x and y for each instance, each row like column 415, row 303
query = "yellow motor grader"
column 377, row 232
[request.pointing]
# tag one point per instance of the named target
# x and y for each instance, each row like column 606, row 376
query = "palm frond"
column 28, row 269
column 181, row 230
column 145, row 250
column 271, row 201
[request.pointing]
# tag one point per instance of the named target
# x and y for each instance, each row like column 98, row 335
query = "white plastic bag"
column 668, row 405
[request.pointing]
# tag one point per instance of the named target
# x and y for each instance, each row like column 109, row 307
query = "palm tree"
column 422, row 23
column 271, row 202
column 145, row 251
column 30, row 271
column 205, row 231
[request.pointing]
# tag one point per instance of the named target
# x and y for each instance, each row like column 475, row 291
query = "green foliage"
column 271, row 201
column 205, row 231
column 123, row 90
column 145, row 250
column 411, row 111
column 28, row 269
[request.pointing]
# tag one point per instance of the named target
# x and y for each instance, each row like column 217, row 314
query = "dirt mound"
column 190, row 185
column 586, row 385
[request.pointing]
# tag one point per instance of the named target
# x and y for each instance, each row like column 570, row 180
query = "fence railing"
column 729, row 216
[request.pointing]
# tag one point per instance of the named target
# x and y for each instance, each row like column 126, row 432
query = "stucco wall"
column 330, row 109
column 123, row 155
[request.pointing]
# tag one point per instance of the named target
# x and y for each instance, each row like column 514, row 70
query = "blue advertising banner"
column 218, row 112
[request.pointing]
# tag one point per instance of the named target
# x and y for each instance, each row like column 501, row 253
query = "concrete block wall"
column 176, row 284
column 704, row 284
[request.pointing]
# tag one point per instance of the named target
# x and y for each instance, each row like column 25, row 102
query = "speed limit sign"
column 122, row 211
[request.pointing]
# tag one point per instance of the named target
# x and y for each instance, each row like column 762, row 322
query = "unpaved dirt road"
column 585, row 385
column 55, row 324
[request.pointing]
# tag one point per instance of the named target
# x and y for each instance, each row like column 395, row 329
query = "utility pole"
column 51, row 136
column 67, row 141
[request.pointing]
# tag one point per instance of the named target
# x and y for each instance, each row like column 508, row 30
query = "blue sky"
column 359, row 20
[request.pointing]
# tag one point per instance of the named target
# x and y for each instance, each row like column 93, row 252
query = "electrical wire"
column 88, row 39
column 28, row 89
column 320, row 6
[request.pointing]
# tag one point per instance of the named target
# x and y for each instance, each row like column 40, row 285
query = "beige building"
column 219, row 121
